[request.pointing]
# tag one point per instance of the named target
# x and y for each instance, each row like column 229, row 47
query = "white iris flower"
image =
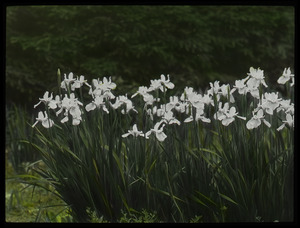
column 98, row 102
column 134, row 132
column 67, row 81
column 256, row 119
column 79, row 83
column 47, row 100
column 289, row 120
column 256, row 77
column 286, row 76
column 158, row 131
column 44, row 119
column 161, row 84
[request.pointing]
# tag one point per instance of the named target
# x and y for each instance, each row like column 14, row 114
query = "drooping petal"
column 65, row 119
column 59, row 111
column 253, row 123
column 161, row 136
column 125, row 135
column 169, row 85
column 37, row 104
column 148, row 133
column 174, row 121
column 76, row 121
column 52, row 104
column 227, row 121
column 105, row 109
column 241, row 117
column 281, row 127
column 260, row 114
column 47, row 123
column 232, row 111
column 204, row 119
column 75, row 112
column 289, row 120
column 189, row 119
column 267, row 123
column 41, row 115
column 90, row 107
column 269, row 110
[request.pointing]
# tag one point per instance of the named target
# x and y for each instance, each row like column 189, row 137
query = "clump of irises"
column 190, row 103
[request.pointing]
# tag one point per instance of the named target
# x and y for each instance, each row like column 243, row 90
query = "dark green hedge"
column 194, row 44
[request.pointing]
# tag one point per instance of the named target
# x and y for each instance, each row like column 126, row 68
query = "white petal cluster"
column 289, row 121
column 134, row 132
column 286, row 76
column 70, row 105
column 158, row 131
column 185, row 108
column 44, row 119
column 161, row 84
column 124, row 103
column 226, row 115
column 256, row 119
column 47, row 100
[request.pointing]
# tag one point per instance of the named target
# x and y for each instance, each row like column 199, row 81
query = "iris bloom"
column 143, row 90
column 47, row 100
column 134, row 132
column 67, row 80
column 43, row 118
column 176, row 104
column 220, row 114
column 241, row 86
column 102, row 88
column 286, row 106
column 256, row 77
column 97, row 103
column 121, row 100
column 149, row 99
column 79, row 82
column 252, row 88
column 286, row 76
column 70, row 105
column 161, row 110
column 225, row 92
column 165, row 82
column 158, row 130
column 199, row 116
column 227, row 115
column 289, row 120
column 196, row 100
column 161, row 84
column 105, row 84
column 188, row 91
column 214, row 89
column 206, row 99
column 270, row 102
column 169, row 118
column 255, row 121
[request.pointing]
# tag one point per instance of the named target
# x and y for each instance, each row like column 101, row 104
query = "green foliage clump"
column 17, row 131
column 143, row 217
column 217, row 167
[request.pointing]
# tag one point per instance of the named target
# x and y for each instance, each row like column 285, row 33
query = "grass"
column 26, row 203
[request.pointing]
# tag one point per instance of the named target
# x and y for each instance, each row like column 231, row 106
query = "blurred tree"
column 194, row 44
